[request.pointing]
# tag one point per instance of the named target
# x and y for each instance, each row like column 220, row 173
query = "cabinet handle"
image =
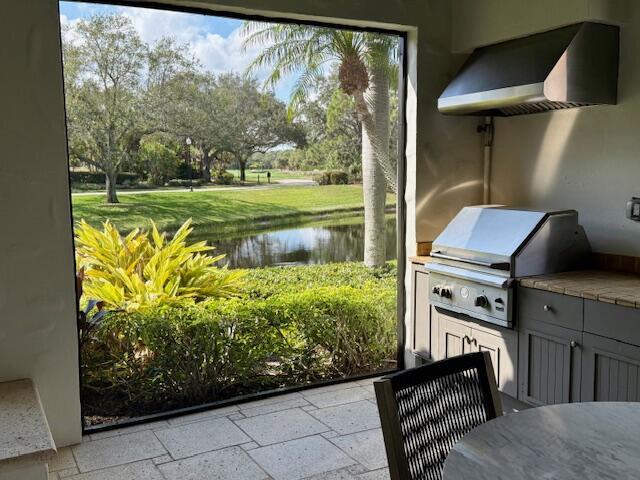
column 547, row 308
column 470, row 340
column 573, row 344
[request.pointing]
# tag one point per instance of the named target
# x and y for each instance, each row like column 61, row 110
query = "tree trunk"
column 373, row 109
column 206, row 165
column 243, row 165
column 110, row 179
column 374, row 132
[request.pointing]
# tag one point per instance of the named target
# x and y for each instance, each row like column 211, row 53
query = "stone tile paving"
column 326, row 433
column 199, row 437
column 350, row 417
column 301, row 458
column 339, row 397
column 281, row 426
column 112, row 451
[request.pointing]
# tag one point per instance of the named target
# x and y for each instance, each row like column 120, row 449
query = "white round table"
column 580, row 441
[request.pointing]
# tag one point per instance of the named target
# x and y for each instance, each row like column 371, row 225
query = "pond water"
column 317, row 242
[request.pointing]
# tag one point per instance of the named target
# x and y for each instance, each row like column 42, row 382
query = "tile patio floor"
column 326, row 433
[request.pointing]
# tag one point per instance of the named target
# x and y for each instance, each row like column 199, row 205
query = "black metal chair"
column 424, row 411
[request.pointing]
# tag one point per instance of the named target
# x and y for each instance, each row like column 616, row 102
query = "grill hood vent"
column 568, row 67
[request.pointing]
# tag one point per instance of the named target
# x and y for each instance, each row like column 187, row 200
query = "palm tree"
column 367, row 70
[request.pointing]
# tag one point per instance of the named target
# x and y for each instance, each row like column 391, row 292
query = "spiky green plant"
column 145, row 269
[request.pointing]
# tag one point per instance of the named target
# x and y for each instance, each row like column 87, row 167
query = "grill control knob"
column 436, row 289
column 481, row 301
column 446, row 293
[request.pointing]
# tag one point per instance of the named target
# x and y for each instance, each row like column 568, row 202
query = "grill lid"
column 512, row 242
column 487, row 233
column 567, row 67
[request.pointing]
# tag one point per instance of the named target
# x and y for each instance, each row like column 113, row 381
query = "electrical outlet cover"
column 633, row 209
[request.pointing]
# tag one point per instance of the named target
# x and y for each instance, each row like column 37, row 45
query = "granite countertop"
column 23, row 427
column 601, row 285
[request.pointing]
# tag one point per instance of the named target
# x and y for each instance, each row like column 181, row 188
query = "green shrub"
column 289, row 334
column 322, row 178
column 269, row 281
column 83, row 178
column 185, row 171
column 224, row 178
column 160, row 161
column 178, row 182
column 169, row 357
column 331, row 177
column 349, row 330
column 338, row 177
column 88, row 187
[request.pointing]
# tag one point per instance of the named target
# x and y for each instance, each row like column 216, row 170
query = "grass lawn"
column 252, row 175
column 222, row 211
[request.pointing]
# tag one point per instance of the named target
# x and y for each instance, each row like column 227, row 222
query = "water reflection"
column 307, row 244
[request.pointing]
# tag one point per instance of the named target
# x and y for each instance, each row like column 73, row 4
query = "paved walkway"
column 280, row 183
column 327, row 433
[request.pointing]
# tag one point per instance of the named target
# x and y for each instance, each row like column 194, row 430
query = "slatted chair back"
column 424, row 411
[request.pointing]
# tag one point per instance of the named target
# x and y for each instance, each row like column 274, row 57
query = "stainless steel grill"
column 477, row 257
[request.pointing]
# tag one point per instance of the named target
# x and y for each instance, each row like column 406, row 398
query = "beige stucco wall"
column 585, row 158
column 37, row 319
column 37, row 300
column 482, row 22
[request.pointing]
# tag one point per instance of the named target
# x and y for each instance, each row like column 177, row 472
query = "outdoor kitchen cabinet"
column 610, row 370
column 457, row 337
column 549, row 364
column 610, row 353
column 550, row 331
column 421, row 318
column 573, row 349
column 562, row 349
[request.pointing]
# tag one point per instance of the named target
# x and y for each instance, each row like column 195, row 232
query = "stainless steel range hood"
column 568, row 67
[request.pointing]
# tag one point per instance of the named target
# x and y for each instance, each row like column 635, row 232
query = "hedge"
column 331, row 177
column 224, row 178
column 272, row 336
column 178, row 182
column 99, row 178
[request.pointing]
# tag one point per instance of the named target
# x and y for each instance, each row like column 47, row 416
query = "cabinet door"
column 422, row 340
column 549, row 365
column 503, row 350
column 455, row 338
column 610, row 370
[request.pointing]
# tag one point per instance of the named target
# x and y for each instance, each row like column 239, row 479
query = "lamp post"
column 188, row 142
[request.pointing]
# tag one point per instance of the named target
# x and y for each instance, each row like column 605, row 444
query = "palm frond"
column 303, row 87
column 290, row 48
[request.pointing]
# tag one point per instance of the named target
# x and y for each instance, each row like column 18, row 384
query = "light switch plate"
column 633, row 209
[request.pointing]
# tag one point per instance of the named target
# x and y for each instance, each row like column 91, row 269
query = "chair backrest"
column 424, row 411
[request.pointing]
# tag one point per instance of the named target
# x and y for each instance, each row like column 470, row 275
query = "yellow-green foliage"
column 145, row 269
